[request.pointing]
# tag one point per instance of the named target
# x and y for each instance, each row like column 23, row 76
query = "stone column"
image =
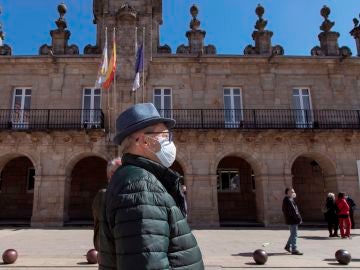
column 329, row 43
column 49, row 195
column 269, row 195
column 202, row 192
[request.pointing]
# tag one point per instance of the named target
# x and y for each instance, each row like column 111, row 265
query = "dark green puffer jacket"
column 143, row 226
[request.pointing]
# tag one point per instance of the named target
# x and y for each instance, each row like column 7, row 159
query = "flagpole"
column 114, row 84
column 143, row 69
column 136, row 49
column 108, row 94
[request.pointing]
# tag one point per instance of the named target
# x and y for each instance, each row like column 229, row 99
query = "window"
column 91, row 113
column 163, row 101
column 233, row 107
column 30, row 180
column 20, row 114
column 302, row 106
column 228, row 181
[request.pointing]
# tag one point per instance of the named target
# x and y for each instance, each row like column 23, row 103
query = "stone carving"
column 183, row 49
column 90, row 49
column 60, row 37
column 164, row 49
column 210, row 49
column 355, row 32
column 4, row 48
column 329, row 39
column 196, row 37
column 127, row 13
column 262, row 37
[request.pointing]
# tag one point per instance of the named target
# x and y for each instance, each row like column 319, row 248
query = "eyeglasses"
column 168, row 135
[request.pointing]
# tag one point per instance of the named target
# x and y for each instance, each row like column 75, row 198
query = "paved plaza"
column 232, row 248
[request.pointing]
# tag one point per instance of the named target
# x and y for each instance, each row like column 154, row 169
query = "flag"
column 103, row 65
column 112, row 67
column 139, row 66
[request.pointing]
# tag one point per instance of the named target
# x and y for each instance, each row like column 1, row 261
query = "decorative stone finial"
column 262, row 37
column 194, row 23
column 355, row 32
column 327, row 24
column 329, row 39
column 4, row 48
column 60, row 37
column 260, row 23
column 61, row 22
column 196, row 37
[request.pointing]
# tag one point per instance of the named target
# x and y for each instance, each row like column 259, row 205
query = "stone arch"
column 184, row 162
column 5, row 158
column 248, row 204
column 313, row 175
column 74, row 159
column 17, row 171
column 81, row 195
column 327, row 163
column 258, row 168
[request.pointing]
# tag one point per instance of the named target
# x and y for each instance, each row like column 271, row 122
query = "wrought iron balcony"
column 264, row 119
column 48, row 119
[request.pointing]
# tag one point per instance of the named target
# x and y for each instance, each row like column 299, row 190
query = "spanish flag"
column 112, row 67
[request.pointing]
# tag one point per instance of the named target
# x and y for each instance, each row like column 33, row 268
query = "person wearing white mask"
column 145, row 223
column 293, row 219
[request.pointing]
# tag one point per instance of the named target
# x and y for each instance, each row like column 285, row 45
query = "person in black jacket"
column 330, row 213
column 293, row 219
column 352, row 206
column 144, row 220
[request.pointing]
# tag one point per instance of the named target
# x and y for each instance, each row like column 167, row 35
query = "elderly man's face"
column 148, row 141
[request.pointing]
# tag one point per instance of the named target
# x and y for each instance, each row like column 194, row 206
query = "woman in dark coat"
column 330, row 213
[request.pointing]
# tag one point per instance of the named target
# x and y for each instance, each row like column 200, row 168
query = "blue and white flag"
column 139, row 66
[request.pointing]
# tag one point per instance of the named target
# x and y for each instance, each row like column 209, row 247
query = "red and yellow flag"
column 112, row 67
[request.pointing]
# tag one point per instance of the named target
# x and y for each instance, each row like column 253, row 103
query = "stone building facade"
column 248, row 125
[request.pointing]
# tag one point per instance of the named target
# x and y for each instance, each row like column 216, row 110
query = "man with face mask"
column 144, row 218
column 292, row 218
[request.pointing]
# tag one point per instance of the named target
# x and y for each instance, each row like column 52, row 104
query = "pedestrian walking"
column 330, row 214
column 343, row 215
column 293, row 219
column 145, row 223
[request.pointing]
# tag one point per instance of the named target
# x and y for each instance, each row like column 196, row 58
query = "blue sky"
column 228, row 23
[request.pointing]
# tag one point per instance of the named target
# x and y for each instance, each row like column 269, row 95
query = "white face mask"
column 293, row 195
column 167, row 152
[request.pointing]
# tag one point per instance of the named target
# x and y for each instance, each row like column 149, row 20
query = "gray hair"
column 331, row 195
column 128, row 142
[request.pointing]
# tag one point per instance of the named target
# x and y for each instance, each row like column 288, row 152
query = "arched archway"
column 236, row 190
column 17, row 182
column 87, row 177
column 312, row 178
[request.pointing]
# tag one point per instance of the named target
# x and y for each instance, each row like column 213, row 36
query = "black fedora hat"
column 137, row 117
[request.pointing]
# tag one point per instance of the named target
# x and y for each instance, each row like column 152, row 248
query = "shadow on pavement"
column 250, row 254
column 316, row 237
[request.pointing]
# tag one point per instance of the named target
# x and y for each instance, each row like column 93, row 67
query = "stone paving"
column 65, row 248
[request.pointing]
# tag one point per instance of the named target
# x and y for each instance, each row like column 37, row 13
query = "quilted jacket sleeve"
column 139, row 221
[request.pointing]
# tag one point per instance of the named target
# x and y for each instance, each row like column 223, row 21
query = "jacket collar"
column 169, row 178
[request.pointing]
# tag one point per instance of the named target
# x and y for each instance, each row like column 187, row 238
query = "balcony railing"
column 47, row 119
column 264, row 119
